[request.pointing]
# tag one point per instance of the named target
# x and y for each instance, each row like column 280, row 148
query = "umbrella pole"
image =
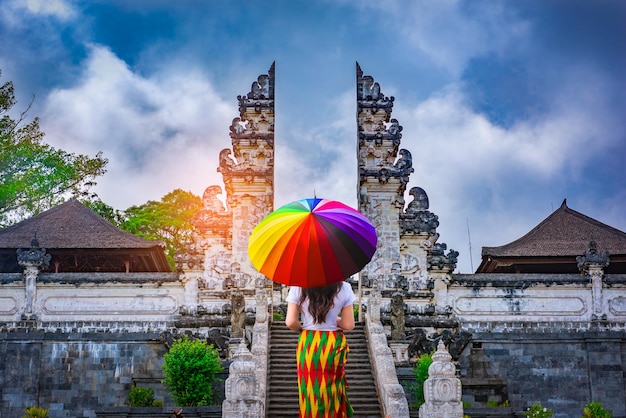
column 360, row 292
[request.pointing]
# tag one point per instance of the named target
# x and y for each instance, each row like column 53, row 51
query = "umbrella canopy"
column 312, row 242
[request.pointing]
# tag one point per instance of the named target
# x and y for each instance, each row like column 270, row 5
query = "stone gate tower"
column 382, row 179
column 217, row 267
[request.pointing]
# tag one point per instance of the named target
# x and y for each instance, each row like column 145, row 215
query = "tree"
column 33, row 175
column 168, row 220
column 116, row 217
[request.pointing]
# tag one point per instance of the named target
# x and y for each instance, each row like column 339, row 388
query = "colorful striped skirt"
column 321, row 359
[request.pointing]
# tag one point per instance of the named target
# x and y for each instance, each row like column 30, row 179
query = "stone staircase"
column 282, row 385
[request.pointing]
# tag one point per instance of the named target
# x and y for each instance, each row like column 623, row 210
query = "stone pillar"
column 32, row 259
column 242, row 387
column 384, row 171
column 249, row 176
column 592, row 263
column 190, row 281
column 442, row 389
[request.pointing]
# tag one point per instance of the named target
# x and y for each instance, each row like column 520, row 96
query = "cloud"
column 159, row 132
column 60, row 9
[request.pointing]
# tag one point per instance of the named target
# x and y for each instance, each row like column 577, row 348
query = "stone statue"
column 226, row 162
column 397, row 317
column 238, row 315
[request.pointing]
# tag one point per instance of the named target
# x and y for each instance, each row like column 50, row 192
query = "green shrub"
column 277, row 316
column 35, row 412
column 139, row 396
column 595, row 410
column 190, row 367
column 492, row 403
column 537, row 411
column 420, row 371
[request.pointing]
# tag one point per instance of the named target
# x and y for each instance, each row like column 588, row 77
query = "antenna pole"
column 469, row 240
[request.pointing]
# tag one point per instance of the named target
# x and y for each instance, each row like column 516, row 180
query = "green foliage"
column 278, row 316
column 537, row 411
column 595, row 410
column 190, row 367
column 35, row 412
column 168, row 220
column 492, row 403
column 467, row 404
column 33, row 175
column 420, row 371
column 139, row 396
column 112, row 215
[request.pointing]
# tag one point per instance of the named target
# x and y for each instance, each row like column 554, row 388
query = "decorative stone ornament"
column 32, row 260
column 442, row 389
column 242, row 388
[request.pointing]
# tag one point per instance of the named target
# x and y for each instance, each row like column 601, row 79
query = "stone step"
column 282, row 376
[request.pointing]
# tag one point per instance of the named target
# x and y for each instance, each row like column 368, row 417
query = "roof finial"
column 564, row 204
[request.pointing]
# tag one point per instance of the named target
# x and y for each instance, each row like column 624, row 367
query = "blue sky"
column 508, row 107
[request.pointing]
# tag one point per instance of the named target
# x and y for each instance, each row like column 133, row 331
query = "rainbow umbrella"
column 312, row 242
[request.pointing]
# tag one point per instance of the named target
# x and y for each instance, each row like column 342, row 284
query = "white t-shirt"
column 344, row 298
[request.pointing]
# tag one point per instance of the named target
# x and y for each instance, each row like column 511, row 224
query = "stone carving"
column 227, row 164
column 33, row 260
column 242, row 387
column 216, row 270
column 404, row 164
column 34, row 256
column 374, row 305
column 238, row 315
column 191, row 258
column 442, row 389
column 369, row 93
column 237, row 278
column 417, row 219
column 440, row 261
column 397, row 317
column 260, row 297
column 593, row 264
column 593, row 258
column 379, row 137
column 419, row 202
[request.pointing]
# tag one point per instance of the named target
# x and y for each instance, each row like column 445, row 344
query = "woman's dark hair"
column 321, row 299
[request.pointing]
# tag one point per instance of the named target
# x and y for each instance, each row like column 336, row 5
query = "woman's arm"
column 346, row 320
column 291, row 320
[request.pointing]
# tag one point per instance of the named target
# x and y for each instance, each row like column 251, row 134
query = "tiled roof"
column 71, row 225
column 564, row 233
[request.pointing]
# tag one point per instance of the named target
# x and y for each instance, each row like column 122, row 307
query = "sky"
column 508, row 107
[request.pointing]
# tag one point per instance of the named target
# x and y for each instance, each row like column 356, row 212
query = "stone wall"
column 93, row 297
column 73, row 374
column 90, row 337
column 549, row 338
column 561, row 370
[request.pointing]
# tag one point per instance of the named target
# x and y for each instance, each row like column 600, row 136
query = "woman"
column 322, row 347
